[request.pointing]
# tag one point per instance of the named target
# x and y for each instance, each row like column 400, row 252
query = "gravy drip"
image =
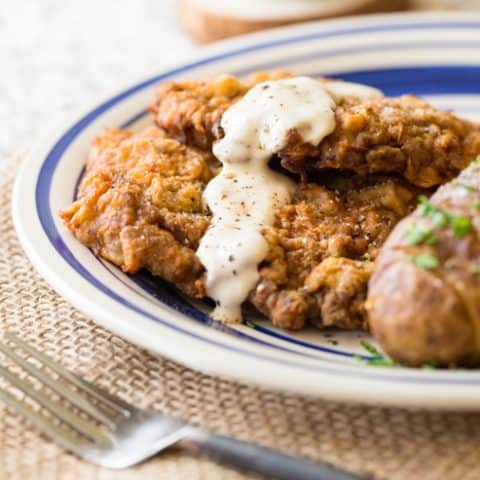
column 244, row 196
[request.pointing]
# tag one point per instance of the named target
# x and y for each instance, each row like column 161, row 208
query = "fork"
column 107, row 431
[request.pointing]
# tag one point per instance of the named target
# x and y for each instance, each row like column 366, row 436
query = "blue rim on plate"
column 452, row 79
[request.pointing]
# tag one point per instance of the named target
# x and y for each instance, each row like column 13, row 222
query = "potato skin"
column 417, row 317
column 420, row 315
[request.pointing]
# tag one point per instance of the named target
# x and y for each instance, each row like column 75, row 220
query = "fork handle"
column 262, row 460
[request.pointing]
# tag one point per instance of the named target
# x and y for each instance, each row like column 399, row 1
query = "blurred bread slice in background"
column 210, row 20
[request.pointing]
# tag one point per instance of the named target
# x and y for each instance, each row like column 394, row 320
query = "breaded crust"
column 139, row 205
column 405, row 135
column 322, row 249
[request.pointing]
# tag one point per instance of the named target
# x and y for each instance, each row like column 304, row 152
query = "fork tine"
column 42, row 423
column 108, row 399
column 72, row 396
column 79, row 424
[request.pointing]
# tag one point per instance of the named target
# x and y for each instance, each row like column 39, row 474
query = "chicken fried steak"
column 404, row 135
column 139, row 206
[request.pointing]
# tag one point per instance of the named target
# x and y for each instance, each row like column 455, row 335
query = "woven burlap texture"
column 385, row 442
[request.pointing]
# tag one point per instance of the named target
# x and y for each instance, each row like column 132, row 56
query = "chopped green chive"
column 378, row 360
column 440, row 219
column 415, row 235
column 424, row 260
column 426, row 208
column 249, row 324
column 420, row 235
column 371, row 349
column 381, row 362
column 461, row 226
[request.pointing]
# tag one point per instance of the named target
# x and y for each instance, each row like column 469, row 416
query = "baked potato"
column 424, row 296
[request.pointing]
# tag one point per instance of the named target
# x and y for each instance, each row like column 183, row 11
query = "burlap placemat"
column 388, row 443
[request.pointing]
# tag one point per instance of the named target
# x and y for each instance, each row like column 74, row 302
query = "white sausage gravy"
column 244, row 196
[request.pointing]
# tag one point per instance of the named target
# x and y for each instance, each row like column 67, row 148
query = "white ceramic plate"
column 436, row 56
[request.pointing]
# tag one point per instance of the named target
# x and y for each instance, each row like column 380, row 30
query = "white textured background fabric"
column 58, row 57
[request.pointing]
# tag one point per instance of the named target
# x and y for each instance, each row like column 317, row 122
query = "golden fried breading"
column 403, row 135
column 322, row 248
column 140, row 206
column 191, row 111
